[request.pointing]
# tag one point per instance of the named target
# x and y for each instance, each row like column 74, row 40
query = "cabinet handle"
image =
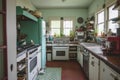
column 115, row 77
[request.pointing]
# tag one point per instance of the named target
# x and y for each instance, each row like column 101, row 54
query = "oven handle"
column 31, row 57
column 60, row 47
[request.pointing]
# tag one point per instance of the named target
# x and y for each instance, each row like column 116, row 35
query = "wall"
column 25, row 3
column 74, row 13
column 97, row 5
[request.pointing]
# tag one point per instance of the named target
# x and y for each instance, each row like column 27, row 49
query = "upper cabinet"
column 24, row 14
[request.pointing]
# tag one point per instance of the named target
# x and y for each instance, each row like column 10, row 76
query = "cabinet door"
column 93, row 68
column 78, row 54
column 106, row 73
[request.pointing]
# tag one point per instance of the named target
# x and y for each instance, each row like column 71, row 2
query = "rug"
column 50, row 74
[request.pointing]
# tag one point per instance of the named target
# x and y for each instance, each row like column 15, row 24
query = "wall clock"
column 80, row 20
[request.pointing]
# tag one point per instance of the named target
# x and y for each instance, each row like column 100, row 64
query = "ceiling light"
column 63, row 0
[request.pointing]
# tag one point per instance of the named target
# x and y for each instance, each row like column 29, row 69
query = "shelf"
column 25, row 14
column 23, row 66
column 21, row 55
column 72, row 51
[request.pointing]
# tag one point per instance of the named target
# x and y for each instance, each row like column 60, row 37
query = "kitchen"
column 61, row 14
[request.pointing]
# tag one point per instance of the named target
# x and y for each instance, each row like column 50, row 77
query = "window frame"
column 62, row 23
column 108, row 20
column 103, row 10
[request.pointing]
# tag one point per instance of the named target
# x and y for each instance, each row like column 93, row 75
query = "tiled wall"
column 25, row 3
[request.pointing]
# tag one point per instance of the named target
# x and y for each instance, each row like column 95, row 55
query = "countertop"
column 112, row 61
column 63, row 44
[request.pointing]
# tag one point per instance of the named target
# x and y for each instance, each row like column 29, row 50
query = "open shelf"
column 25, row 15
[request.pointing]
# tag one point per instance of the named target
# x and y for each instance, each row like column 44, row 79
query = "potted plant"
column 72, row 35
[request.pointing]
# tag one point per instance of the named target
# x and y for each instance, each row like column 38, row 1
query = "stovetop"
column 26, row 47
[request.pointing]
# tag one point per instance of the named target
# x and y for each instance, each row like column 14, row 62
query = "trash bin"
column 48, row 56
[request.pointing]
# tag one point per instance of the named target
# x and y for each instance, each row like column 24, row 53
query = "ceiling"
column 61, row 3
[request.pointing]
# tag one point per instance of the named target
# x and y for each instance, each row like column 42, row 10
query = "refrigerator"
column 42, row 38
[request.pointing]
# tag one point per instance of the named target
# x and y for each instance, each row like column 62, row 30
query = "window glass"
column 113, row 26
column 100, row 23
column 55, row 24
column 61, row 27
column 67, row 27
column 101, row 17
column 100, row 29
column 55, row 32
column 112, row 14
column 55, row 27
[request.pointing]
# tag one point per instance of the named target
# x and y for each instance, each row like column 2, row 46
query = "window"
column 100, row 23
column 63, row 27
column 67, row 27
column 55, row 27
column 112, row 14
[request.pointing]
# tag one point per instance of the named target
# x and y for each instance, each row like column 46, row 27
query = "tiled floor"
column 71, row 70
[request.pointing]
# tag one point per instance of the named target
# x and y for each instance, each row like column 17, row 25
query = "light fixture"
column 63, row 0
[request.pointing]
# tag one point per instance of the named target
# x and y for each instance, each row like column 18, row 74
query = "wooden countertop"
column 112, row 61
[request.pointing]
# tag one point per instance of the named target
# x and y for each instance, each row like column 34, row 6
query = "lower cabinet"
column 93, row 68
column 107, row 73
column 73, row 52
column 79, row 56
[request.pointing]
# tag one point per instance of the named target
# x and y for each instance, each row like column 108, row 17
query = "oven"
column 60, row 53
column 32, row 64
column 86, row 62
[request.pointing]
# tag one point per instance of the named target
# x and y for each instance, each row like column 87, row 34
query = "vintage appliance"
column 33, row 64
column 86, row 62
column 36, row 31
column 60, row 53
column 80, row 35
column 114, row 44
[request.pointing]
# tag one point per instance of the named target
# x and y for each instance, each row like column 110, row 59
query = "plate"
column 80, row 20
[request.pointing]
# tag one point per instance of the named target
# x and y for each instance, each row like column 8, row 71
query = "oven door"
column 60, row 53
column 32, row 67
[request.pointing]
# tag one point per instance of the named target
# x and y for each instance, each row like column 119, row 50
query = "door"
column 3, row 47
column 8, row 38
column 11, row 39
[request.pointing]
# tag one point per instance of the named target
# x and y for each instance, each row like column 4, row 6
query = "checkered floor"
column 50, row 74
